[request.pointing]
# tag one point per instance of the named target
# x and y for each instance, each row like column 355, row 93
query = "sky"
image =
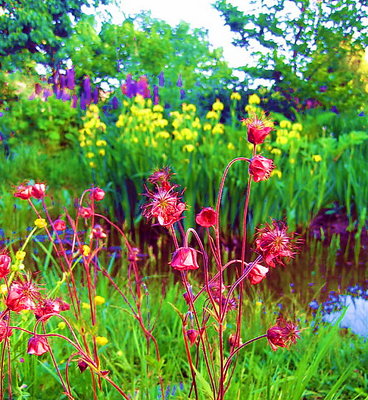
column 198, row 13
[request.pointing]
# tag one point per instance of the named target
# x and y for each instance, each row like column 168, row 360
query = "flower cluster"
column 27, row 191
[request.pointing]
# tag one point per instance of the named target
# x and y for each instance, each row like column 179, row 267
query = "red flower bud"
column 85, row 212
column 257, row 274
column 5, row 261
column 184, row 259
column 260, row 168
column 59, row 225
column 207, row 217
column 23, row 192
column 97, row 194
column 38, row 190
column 37, row 345
column 192, row 335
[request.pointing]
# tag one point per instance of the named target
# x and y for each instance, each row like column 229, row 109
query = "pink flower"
column 85, row 212
column 22, row 296
column 38, row 190
column 283, row 334
column 184, row 259
column 258, row 129
column 192, row 335
column 37, row 345
column 97, row 194
column 257, row 274
column 23, row 192
column 274, row 243
column 5, row 261
column 260, row 168
column 59, row 225
column 4, row 330
column 161, row 178
column 98, row 232
column 207, row 217
column 82, row 365
column 165, row 205
column 50, row 306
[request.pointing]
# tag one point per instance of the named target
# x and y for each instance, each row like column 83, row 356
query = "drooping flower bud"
column 5, row 261
column 192, row 335
column 97, row 194
column 184, row 259
column 257, row 274
column 260, row 168
column 37, row 345
column 24, row 192
column 38, row 191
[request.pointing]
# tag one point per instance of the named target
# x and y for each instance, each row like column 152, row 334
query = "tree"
column 33, row 30
column 307, row 49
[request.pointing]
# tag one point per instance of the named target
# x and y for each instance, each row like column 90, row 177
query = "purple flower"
column 70, row 79
column 161, row 79
column 115, row 103
column 179, row 83
column 95, row 95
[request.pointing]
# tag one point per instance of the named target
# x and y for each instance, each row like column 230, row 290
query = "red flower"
column 37, row 345
column 283, row 334
column 207, row 217
column 23, row 192
column 273, row 243
column 184, row 259
column 4, row 330
column 257, row 274
column 85, row 212
column 22, row 296
column 192, row 335
column 38, row 190
column 98, row 232
column 260, row 168
column 161, row 178
column 97, row 194
column 165, row 205
column 258, row 129
column 50, row 306
column 5, row 261
column 82, row 365
column 59, row 225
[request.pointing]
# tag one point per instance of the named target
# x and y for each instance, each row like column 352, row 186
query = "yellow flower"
column 196, row 123
column 139, row 99
column 188, row 107
column 212, row 115
column 99, row 300
column 62, row 325
column 218, row 128
column 276, row 172
column 20, row 255
column 188, row 134
column 230, row 146
column 317, row 158
column 101, row 340
column 161, row 123
column 86, row 306
column 119, row 353
column 86, row 250
column 297, row 127
column 90, row 154
column 100, row 143
column 207, row 127
column 276, row 151
column 162, row 135
column 102, row 152
column 92, row 164
column 250, row 109
column 235, row 96
column 282, row 140
column 158, row 108
column 285, row 124
column 217, row 105
column 188, row 147
column 292, row 161
column 3, row 289
column 254, row 99
column 93, row 108
column 40, row 223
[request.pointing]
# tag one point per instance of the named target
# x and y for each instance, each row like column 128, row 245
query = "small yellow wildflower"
column 62, row 325
column 139, row 99
column 188, row 147
column 188, row 107
column 230, row 146
column 297, row 127
column 20, row 255
column 218, row 128
column 89, row 142
column 158, row 108
column 285, row 124
column 86, row 250
column 259, row 303
column 196, row 123
column 207, row 127
column 282, row 140
column 99, row 300
column 162, row 135
column 92, row 164
column 317, row 158
column 102, row 152
column 3, row 289
column 119, row 353
column 86, row 306
column 235, row 96
column 250, row 109
column 276, row 172
column 212, row 115
column 90, row 154
column 217, row 105
column 93, row 108
column 40, row 223
column 101, row 143
column 292, row 161
column 101, row 340
column 276, row 151
column 254, row 99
